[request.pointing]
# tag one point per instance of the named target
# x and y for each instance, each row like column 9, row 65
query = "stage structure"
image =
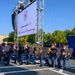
column 26, row 6
column 40, row 21
column 18, row 8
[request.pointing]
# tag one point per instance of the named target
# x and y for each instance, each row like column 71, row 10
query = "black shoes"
column 7, row 64
column 40, row 65
column 15, row 62
column 27, row 63
column 59, row 67
column 20, row 62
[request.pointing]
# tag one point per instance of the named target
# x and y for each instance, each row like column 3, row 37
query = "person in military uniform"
column 25, row 53
column 37, row 54
column 13, row 52
column 64, row 54
column 47, row 55
column 53, row 54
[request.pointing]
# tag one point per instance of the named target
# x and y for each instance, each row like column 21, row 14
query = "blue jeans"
column 10, row 56
column 33, row 59
column 52, row 60
column 59, row 63
column 25, row 55
column 46, row 58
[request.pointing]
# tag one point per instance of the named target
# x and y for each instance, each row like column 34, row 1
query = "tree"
column 5, row 39
column 70, row 32
column 11, row 37
column 22, row 39
column 67, row 32
column 31, row 38
column 73, row 32
column 48, row 37
column 59, row 37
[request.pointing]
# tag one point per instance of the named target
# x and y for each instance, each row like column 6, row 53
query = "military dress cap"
column 37, row 42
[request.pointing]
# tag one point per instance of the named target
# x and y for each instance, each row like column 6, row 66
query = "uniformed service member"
column 64, row 54
column 25, row 53
column 37, row 54
column 13, row 52
column 47, row 55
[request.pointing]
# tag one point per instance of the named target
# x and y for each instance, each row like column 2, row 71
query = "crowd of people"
column 22, row 52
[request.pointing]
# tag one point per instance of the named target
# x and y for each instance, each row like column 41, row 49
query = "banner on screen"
column 27, row 20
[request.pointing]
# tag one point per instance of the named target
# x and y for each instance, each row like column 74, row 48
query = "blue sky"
column 58, row 15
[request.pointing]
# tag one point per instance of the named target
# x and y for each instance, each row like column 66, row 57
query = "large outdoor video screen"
column 27, row 20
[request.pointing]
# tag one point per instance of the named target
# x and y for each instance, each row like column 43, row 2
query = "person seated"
column 47, row 55
column 37, row 54
column 13, row 52
column 64, row 54
column 53, row 55
column 25, row 53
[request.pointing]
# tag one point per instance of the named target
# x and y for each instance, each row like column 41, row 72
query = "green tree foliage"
column 59, row 37
column 47, row 37
column 70, row 32
column 11, row 37
column 44, row 38
column 73, row 32
column 67, row 32
column 23, row 39
column 31, row 38
column 5, row 40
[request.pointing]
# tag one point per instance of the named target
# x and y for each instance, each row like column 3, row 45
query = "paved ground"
column 24, row 69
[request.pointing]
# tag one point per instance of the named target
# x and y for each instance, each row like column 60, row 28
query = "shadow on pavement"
column 16, row 70
column 71, row 69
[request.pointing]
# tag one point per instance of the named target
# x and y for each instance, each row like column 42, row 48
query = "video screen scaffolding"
column 28, row 19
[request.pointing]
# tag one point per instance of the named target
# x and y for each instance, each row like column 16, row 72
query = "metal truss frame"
column 40, row 19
